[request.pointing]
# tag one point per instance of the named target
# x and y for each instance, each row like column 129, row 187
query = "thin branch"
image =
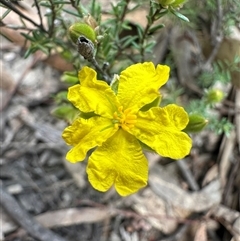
column 53, row 17
column 10, row 26
column 187, row 175
column 94, row 62
column 145, row 33
column 216, row 35
column 11, row 6
column 73, row 3
column 124, row 12
column 39, row 12
column 16, row 212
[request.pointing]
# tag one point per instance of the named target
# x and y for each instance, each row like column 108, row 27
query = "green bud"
column 172, row 3
column 178, row 3
column 214, row 96
column 196, row 123
column 66, row 112
column 69, row 77
column 81, row 29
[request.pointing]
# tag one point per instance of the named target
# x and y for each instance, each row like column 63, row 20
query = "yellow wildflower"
column 118, row 122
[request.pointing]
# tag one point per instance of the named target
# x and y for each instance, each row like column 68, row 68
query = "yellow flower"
column 118, row 122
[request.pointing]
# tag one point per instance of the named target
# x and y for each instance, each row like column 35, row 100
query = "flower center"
column 124, row 118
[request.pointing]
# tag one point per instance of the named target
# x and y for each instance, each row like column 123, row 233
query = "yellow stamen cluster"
column 125, row 119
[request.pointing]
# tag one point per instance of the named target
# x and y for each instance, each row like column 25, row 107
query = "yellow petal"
column 160, row 129
column 139, row 84
column 83, row 135
column 118, row 161
column 92, row 94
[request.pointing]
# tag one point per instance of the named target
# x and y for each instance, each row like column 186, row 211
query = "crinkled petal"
column 139, row 84
column 83, row 135
column 92, row 94
column 118, row 161
column 160, row 129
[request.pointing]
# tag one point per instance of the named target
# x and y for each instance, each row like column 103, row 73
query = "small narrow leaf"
column 179, row 15
column 27, row 53
column 5, row 14
column 155, row 28
column 28, row 37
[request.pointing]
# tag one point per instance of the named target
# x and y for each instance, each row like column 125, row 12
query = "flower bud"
column 81, row 29
column 214, row 96
column 89, row 20
column 196, row 123
column 172, row 3
column 69, row 77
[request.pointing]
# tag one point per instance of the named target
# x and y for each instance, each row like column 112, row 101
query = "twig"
column 129, row 213
column 15, row 27
column 53, row 17
column 216, row 35
column 178, row 234
column 124, row 11
column 18, row 82
column 10, row 6
column 188, row 175
column 24, row 220
column 73, row 3
column 237, row 117
column 39, row 12
column 145, row 33
column 230, row 183
column 94, row 62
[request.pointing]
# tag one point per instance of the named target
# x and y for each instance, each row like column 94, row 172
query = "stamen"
column 131, row 121
column 124, row 119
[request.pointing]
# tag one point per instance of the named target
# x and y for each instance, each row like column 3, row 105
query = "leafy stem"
column 152, row 17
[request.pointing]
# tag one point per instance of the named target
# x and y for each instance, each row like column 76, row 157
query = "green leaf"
column 179, row 15
column 43, row 49
column 66, row 112
column 149, row 20
column 28, row 37
column 114, row 84
column 5, row 14
column 61, row 97
column 149, row 47
column 28, row 52
column 196, row 123
column 127, row 41
column 45, row 4
column 161, row 14
column 71, row 12
column 87, row 115
column 155, row 28
column 69, row 77
column 36, row 35
column 140, row 31
column 62, row 2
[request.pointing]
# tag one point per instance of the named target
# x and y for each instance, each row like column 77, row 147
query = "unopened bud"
column 69, row 77
column 90, row 20
column 85, row 47
column 81, row 29
column 196, row 123
column 214, row 96
column 172, row 3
